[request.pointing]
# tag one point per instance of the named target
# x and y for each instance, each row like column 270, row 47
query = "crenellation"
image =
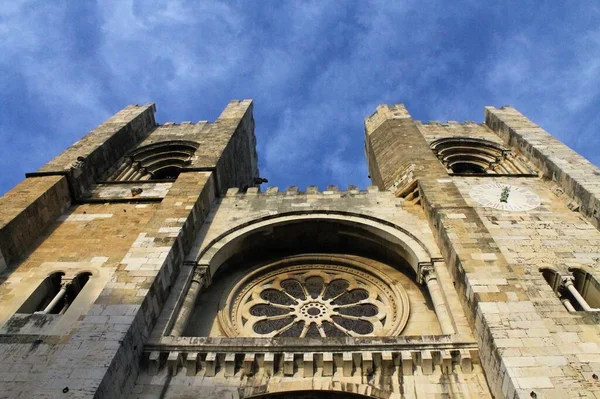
column 232, row 192
column 311, row 191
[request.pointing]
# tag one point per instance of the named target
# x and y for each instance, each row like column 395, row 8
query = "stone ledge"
column 306, row 363
column 127, row 191
column 424, row 342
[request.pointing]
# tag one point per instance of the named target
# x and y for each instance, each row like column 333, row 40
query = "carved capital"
column 201, row 276
column 426, row 272
column 565, row 281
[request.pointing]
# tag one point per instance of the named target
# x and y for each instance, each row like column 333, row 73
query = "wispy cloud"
column 315, row 70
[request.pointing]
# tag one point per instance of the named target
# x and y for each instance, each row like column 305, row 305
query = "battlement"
column 184, row 123
column 293, row 190
column 451, row 124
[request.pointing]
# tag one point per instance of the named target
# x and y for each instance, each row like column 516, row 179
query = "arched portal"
column 313, row 274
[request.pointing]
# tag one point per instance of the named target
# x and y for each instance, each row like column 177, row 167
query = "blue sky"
column 314, row 69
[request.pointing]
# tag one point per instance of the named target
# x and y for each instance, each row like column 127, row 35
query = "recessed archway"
column 318, row 232
column 474, row 156
column 330, row 240
column 157, row 161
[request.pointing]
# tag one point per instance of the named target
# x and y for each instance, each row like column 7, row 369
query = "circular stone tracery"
column 302, row 297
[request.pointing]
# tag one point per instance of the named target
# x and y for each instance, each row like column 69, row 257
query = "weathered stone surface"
column 168, row 257
column 577, row 176
column 27, row 210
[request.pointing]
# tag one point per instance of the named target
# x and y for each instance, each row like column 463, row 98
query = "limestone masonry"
column 145, row 262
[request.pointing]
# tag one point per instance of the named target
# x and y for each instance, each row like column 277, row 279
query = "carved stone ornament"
column 505, row 197
column 304, row 297
column 78, row 163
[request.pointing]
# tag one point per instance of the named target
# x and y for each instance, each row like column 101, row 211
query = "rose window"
column 314, row 300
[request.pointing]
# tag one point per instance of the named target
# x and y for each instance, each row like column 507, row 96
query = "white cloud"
column 315, row 70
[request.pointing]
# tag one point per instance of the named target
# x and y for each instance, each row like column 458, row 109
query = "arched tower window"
column 471, row 156
column 158, row 161
column 43, row 295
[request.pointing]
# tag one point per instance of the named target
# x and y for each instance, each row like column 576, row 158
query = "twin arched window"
column 577, row 291
column 55, row 294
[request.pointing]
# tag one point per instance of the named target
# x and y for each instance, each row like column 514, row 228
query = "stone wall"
column 87, row 237
column 87, row 160
column 397, row 152
column 530, row 344
column 27, row 211
column 419, row 364
column 577, row 176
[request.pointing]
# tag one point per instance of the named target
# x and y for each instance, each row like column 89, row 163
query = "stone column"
column 130, row 172
column 56, row 299
column 429, row 277
column 567, row 304
column 138, row 174
column 567, row 282
column 115, row 176
column 187, row 307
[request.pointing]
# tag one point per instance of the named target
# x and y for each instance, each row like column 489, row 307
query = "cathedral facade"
column 145, row 262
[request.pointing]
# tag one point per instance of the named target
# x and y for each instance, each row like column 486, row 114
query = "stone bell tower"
column 145, row 262
column 515, row 214
column 90, row 245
